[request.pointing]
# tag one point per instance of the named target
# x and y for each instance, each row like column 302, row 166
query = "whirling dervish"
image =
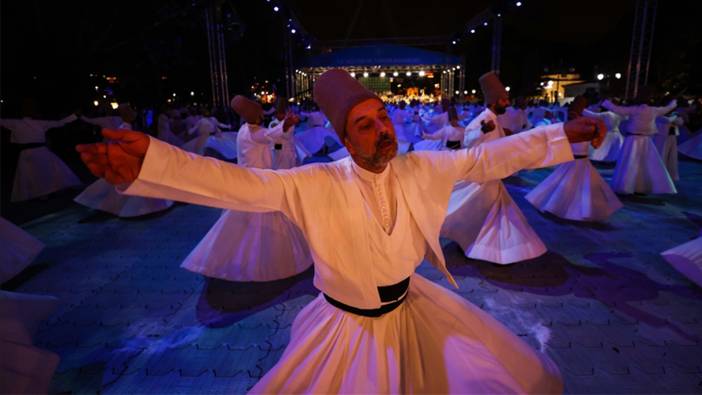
column 575, row 190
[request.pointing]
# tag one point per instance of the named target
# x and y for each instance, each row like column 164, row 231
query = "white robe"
column 286, row 156
column 612, row 144
column 102, row 196
column 575, row 191
column 639, row 166
column 667, row 142
column 482, row 217
column 251, row 246
column 435, row 341
column 514, row 119
column 687, row 259
column 17, row 250
column 39, row 171
column 692, row 147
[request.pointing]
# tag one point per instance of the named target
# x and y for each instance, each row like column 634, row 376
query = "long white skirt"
column 669, row 156
column 687, row 259
column 285, row 158
column 435, row 342
column 243, row 246
column 17, row 249
column 610, row 148
column 39, row 173
column 485, row 221
column 692, row 147
column 24, row 368
column 640, row 168
column 575, row 191
column 102, row 196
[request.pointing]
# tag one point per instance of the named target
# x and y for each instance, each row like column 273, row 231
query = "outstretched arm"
column 616, row 109
column 145, row 166
column 670, row 107
column 540, row 147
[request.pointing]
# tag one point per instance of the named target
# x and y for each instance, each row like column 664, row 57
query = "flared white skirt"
column 610, row 148
column 102, row 196
column 687, row 259
column 435, row 342
column 640, row 168
column 575, row 191
column 485, row 221
column 39, row 173
column 17, row 249
column 692, row 147
column 244, row 246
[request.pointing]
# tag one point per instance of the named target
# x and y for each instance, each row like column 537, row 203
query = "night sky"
column 49, row 49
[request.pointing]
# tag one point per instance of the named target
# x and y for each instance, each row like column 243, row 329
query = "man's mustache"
column 384, row 139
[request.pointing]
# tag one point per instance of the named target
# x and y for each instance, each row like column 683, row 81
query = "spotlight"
column 96, row 103
column 97, row 87
column 409, row 73
column 458, row 67
column 395, row 74
column 465, row 92
column 473, row 91
column 309, row 46
column 458, row 92
column 518, row 4
column 507, row 88
column 192, row 93
column 485, row 23
column 422, row 73
column 600, row 77
column 618, row 76
column 472, row 31
column 293, row 31
column 382, row 74
column 365, row 74
column 353, row 74
column 276, row 8
column 499, row 15
column 114, row 105
column 453, row 42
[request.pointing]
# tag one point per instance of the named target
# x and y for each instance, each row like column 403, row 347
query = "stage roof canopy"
column 381, row 56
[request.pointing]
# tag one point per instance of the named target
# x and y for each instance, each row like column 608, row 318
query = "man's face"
column 370, row 135
column 501, row 106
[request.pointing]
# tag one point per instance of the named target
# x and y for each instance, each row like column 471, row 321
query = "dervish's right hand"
column 119, row 159
column 488, row 126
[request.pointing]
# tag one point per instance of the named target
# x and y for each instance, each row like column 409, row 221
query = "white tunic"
column 30, row 131
column 435, row 341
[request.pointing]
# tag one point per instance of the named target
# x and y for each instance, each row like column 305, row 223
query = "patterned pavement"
column 602, row 303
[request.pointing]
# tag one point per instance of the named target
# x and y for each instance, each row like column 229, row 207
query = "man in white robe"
column 369, row 220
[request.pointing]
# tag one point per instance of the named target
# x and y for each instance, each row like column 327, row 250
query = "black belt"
column 580, row 156
column 278, row 147
column 395, row 294
column 453, row 144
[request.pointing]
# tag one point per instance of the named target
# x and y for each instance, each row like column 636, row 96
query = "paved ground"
column 602, row 303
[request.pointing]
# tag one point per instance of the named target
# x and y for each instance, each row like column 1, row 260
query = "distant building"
column 553, row 86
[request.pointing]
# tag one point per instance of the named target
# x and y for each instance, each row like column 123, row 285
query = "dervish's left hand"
column 586, row 129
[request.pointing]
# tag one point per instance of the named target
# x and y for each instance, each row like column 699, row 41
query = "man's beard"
column 385, row 150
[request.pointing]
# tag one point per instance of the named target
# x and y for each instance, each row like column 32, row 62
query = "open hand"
column 119, row 159
column 586, row 129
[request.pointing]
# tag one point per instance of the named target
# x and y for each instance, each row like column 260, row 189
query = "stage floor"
column 613, row 315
